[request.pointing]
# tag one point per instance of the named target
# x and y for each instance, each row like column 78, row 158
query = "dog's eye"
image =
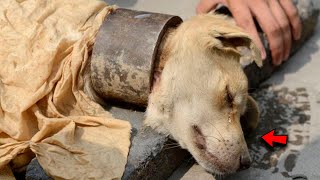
column 228, row 97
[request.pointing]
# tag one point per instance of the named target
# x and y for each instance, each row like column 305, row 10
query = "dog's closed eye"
column 228, row 97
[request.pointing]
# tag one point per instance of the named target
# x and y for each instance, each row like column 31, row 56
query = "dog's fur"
column 200, row 91
column 203, row 91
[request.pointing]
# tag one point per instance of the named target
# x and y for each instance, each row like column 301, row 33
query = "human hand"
column 279, row 19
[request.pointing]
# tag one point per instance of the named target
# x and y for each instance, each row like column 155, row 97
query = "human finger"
column 284, row 24
column 293, row 16
column 270, row 26
column 206, row 6
column 244, row 19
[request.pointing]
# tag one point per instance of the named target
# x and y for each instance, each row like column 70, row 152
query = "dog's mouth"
column 216, row 165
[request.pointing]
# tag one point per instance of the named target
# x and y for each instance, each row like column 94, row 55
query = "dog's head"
column 203, row 91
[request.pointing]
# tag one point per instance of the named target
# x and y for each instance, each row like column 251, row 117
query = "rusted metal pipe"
column 124, row 53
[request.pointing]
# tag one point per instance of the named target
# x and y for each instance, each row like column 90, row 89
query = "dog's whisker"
column 190, row 160
column 212, row 140
column 172, row 142
column 219, row 176
column 216, row 130
column 173, row 147
column 213, row 137
column 214, row 175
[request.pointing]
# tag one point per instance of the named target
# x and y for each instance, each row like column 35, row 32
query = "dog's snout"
column 245, row 162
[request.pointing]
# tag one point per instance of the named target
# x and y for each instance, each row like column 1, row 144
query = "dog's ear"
column 250, row 119
column 229, row 37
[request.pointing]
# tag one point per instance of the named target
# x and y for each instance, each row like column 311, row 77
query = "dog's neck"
column 161, row 57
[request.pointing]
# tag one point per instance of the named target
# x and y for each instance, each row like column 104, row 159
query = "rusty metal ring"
column 124, row 53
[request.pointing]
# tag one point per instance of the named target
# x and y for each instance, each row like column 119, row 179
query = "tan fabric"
column 44, row 47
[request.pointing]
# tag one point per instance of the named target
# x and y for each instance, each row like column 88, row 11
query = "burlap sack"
column 44, row 46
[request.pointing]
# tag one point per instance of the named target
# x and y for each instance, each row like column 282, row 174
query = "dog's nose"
column 245, row 162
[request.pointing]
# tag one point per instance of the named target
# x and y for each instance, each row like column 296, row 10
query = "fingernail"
column 287, row 57
column 275, row 62
column 263, row 54
column 297, row 35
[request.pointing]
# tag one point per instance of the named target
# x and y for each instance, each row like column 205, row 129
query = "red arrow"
column 270, row 138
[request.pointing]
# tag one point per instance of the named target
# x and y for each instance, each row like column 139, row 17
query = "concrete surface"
column 150, row 149
column 184, row 9
column 139, row 156
column 291, row 106
column 300, row 73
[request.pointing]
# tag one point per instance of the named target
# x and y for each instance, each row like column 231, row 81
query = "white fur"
column 202, row 59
